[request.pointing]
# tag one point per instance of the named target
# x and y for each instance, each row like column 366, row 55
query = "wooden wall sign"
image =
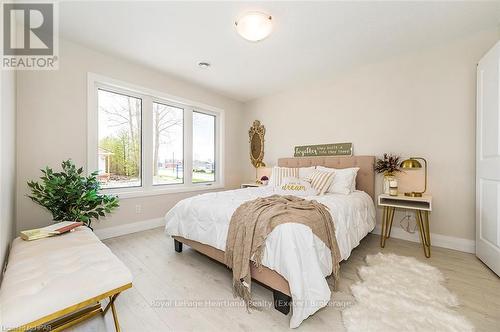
column 336, row 149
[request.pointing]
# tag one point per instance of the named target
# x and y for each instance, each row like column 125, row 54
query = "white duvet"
column 291, row 249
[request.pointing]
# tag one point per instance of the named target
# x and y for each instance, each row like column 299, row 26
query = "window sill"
column 127, row 193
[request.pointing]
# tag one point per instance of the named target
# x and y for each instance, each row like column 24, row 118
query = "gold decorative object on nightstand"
column 412, row 164
column 251, row 185
column 421, row 205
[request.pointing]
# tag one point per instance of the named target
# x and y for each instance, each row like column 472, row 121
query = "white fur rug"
column 402, row 294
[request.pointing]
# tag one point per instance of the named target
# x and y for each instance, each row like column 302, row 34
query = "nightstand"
column 250, row 185
column 421, row 205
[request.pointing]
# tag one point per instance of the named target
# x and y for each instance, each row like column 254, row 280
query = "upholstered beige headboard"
column 365, row 180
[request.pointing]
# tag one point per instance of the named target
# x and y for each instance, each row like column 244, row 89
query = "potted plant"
column 389, row 166
column 264, row 180
column 69, row 196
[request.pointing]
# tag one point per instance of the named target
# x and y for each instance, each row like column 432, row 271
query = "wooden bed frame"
column 365, row 181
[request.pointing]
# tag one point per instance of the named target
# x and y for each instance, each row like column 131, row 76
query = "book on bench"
column 52, row 230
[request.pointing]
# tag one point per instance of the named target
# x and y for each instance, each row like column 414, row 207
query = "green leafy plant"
column 389, row 164
column 69, row 196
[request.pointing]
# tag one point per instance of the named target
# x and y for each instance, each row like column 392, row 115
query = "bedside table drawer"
column 404, row 202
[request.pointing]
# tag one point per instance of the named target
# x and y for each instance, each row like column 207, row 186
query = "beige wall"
column 421, row 104
column 52, row 115
column 7, row 160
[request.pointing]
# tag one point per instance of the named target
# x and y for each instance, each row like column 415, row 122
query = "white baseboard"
column 437, row 240
column 109, row 232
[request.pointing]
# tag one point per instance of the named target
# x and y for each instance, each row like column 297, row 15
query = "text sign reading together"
column 336, row 149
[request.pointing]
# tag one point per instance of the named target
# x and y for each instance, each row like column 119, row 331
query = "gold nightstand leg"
column 426, row 214
column 384, row 221
column 425, row 234
column 391, row 218
column 387, row 218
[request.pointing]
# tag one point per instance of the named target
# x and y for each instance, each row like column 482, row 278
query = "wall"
column 52, row 116
column 7, row 160
column 421, row 104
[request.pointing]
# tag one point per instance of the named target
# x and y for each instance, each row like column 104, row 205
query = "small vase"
column 388, row 177
column 393, row 188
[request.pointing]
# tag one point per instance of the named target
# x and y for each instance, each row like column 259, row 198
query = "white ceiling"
column 311, row 41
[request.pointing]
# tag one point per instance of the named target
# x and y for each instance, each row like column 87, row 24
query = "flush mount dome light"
column 254, row 26
column 204, row 65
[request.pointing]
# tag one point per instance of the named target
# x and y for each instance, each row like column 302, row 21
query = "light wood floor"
column 161, row 276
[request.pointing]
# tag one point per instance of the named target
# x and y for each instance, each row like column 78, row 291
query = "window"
column 144, row 142
column 119, row 150
column 168, row 144
column 203, row 147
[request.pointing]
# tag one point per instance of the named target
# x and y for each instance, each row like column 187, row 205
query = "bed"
column 202, row 221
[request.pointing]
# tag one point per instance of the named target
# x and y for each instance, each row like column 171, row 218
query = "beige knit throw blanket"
column 253, row 221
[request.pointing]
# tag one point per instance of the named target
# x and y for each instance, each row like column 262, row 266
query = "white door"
column 488, row 160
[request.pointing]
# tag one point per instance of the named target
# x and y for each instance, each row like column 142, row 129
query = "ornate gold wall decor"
column 256, row 134
column 337, row 149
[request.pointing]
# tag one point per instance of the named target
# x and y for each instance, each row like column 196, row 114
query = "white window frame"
column 148, row 96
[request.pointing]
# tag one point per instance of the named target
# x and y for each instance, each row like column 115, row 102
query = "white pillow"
column 295, row 186
column 321, row 180
column 344, row 181
column 280, row 173
column 305, row 172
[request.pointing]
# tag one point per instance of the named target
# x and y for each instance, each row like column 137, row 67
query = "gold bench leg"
column 77, row 313
column 84, row 314
column 74, row 318
column 425, row 234
column 387, row 218
column 111, row 301
column 111, row 305
column 115, row 317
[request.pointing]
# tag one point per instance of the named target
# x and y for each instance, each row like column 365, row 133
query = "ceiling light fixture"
column 203, row 65
column 254, row 26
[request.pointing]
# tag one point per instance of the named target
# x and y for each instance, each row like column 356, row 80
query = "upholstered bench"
column 56, row 282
